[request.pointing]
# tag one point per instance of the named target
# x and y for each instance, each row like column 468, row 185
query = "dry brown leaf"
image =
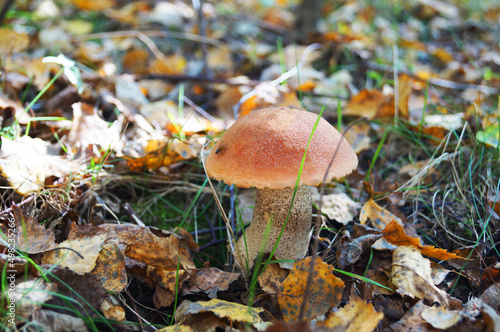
column 110, row 267
column 379, row 216
column 209, row 280
column 135, row 61
column 166, row 283
column 325, row 292
column 365, row 104
column 349, row 251
column 412, row 320
column 12, row 42
column 164, row 153
column 411, row 274
column 170, row 65
column 271, row 278
column 85, row 289
column 30, row 236
column 357, row 315
column 374, row 104
column 395, row 234
column 88, row 247
column 177, row 328
column 162, row 253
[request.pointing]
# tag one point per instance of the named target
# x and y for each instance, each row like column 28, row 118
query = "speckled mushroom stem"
column 275, row 203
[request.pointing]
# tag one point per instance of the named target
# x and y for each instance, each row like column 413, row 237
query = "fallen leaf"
column 210, row 281
column 135, row 61
column 411, row 274
column 375, row 104
column 25, row 176
column 166, row 284
column 49, row 320
column 232, row 314
column 440, row 317
column 85, row 290
column 412, row 320
column 267, row 94
column 379, row 218
column 30, row 296
column 356, row 315
column 325, row 292
column 177, row 328
column 271, row 279
column 171, row 65
column 88, row 247
column 349, row 251
column 12, row 42
column 395, row 234
column 112, row 309
column 338, row 207
column 110, row 267
column 89, row 129
column 30, row 236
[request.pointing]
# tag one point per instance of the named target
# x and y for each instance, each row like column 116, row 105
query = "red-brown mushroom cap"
column 264, row 149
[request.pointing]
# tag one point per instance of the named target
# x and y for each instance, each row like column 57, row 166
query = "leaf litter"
column 115, row 227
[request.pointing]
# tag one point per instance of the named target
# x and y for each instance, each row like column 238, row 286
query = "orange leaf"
column 396, row 235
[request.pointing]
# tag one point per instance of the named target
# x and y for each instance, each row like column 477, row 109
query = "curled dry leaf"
column 357, row 315
column 349, row 251
column 411, row 274
column 325, row 292
column 396, row 235
column 210, row 281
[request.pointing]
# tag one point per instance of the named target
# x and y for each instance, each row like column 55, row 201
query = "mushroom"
column 264, row 149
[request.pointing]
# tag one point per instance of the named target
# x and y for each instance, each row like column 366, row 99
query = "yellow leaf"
column 12, row 41
column 325, row 291
column 88, row 247
column 357, row 315
column 194, row 313
column 379, row 216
